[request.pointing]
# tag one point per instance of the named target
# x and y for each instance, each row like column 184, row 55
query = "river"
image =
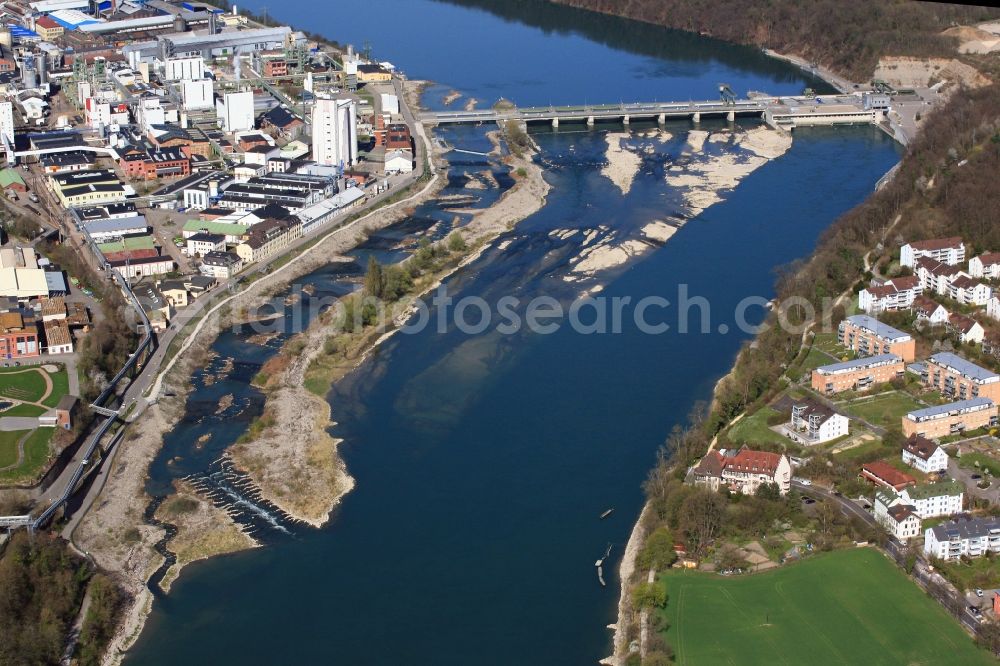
column 483, row 461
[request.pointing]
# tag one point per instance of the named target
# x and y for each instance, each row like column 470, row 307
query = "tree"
column 658, row 658
column 456, row 243
column 397, row 283
column 374, row 279
column 730, row 558
column 649, row 595
column 658, row 551
column 769, row 491
column 701, row 519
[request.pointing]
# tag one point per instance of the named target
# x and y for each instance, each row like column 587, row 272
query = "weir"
column 785, row 112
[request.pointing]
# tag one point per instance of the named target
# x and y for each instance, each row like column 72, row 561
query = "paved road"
column 964, row 476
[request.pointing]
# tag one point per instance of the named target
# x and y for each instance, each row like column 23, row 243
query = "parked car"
column 979, row 592
column 33, row 197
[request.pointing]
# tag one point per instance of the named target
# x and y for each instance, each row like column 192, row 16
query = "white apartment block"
column 949, row 251
column 972, row 537
column 985, row 266
column 896, row 294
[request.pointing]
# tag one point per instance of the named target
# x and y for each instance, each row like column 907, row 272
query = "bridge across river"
column 785, row 112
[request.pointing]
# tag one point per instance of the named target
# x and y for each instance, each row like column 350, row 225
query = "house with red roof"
column 881, row 473
column 743, row 470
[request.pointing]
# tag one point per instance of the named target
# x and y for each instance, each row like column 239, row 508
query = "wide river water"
column 484, row 461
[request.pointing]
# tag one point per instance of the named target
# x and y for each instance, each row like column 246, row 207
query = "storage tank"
column 28, row 75
column 180, row 25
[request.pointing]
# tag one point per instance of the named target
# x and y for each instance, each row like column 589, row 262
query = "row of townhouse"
column 743, row 470
column 895, row 294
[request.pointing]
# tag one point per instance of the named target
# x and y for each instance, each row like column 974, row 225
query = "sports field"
column 845, row 607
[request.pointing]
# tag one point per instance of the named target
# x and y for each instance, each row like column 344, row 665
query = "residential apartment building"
column 967, row 328
column 985, row 266
column 221, row 265
column 267, row 239
column 895, row 294
column 857, row 375
column 972, row 537
column 812, row 423
column 935, row 276
column 929, row 310
column 969, row 291
column 951, row 419
column 867, row 336
column 900, row 520
column 744, row 470
column 960, row 379
column 946, row 250
column 924, row 455
column 200, row 244
column 931, row 500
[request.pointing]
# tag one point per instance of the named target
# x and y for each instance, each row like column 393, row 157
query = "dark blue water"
column 483, row 461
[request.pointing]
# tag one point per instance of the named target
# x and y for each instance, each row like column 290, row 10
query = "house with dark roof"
column 900, row 519
column 743, row 470
column 985, row 266
column 813, row 423
column 966, row 328
column 924, row 455
column 281, row 123
column 895, row 294
column 936, row 276
column 929, row 310
column 971, row 537
column 969, row 291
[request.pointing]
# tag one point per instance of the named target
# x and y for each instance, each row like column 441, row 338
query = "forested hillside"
column 848, row 36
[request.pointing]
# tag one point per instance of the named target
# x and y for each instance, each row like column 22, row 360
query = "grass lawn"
column 980, row 572
column 36, row 452
column 828, row 342
column 22, row 383
column 970, row 459
column 845, row 607
column 753, row 428
column 8, row 446
column 60, row 387
column 860, row 450
column 884, row 410
column 24, row 410
column 814, row 359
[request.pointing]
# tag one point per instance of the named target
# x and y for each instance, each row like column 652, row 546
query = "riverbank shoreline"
column 289, row 403
column 107, row 533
